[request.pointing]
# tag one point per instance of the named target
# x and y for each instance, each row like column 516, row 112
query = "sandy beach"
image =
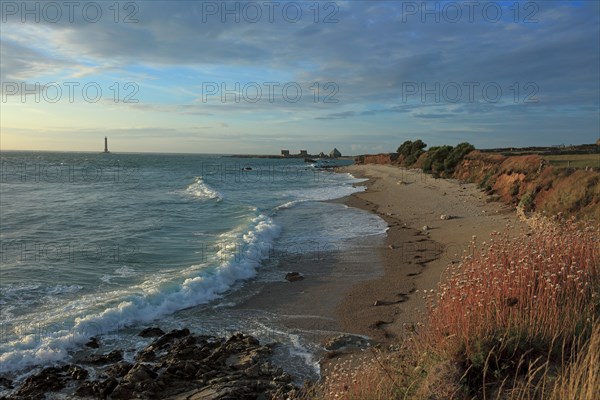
column 373, row 288
column 414, row 258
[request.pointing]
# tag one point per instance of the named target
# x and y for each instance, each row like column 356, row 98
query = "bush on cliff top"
column 435, row 159
column 456, row 156
column 411, row 151
column 443, row 160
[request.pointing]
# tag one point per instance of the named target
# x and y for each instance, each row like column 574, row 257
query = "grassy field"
column 574, row 160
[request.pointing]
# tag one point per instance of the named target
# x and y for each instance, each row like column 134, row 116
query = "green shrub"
column 456, row 156
column 435, row 159
column 411, row 151
column 526, row 201
column 484, row 184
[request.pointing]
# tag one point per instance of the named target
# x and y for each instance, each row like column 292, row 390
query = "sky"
column 255, row 77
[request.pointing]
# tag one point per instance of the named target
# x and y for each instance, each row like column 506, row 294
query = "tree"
column 435, row 159
column 456, row 156
column 411, row 151
column 404, row 148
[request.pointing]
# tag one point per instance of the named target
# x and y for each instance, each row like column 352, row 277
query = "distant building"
column 335, row 153
column 285, row 153
column 106, row 145
column 303, row 153
column 322, row 155
column 598, row 142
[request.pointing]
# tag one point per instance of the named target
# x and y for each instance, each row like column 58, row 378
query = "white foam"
column 122, row 272
column 336, row 189
column 63, row 289
column 201, row 190
column 143, row 303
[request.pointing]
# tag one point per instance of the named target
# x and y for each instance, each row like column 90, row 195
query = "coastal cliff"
column 528, row 181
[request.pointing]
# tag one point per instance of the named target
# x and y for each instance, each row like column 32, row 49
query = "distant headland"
column 333, row 154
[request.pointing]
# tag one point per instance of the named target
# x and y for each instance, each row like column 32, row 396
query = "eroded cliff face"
column 530, row 182
column 382, row 158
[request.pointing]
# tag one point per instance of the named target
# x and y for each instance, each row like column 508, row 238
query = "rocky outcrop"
column 345, row 342
column 48, row 380
column 151, row 332
column 294, row 276
column 181, row 366
column 112, row 357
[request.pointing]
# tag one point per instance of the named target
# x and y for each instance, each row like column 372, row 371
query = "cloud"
column 433, row 116
column 372, row 53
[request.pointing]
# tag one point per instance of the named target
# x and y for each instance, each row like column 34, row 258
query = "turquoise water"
column 93, row 244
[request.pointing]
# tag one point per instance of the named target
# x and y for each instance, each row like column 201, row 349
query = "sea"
column 103, row 245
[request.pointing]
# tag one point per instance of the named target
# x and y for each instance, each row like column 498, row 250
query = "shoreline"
column 409, row 200
column 414, row 259
column 369, row 287
column 371, row 290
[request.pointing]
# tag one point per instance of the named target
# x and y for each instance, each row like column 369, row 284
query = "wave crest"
column 201, row 190
column 145, row 302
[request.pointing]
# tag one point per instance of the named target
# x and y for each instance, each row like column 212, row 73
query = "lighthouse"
column 106, row 145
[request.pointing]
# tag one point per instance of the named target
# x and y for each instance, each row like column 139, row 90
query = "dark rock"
column 251, row 341
column 48, row 380
column 6, row 383
column 94, row 343
column 242, row 361
column 123, row 391
column 169, row 337
column 293, row 276
column 76, row 372
column 183, row 369
column 118, row 369
column 151, row 332
column 177, row 365
column 86, row 389
column 106, row 387
column 225, row 391
column 112, row 357
column 98, row 389
column 146, row 355
column 139, row 373
column 347, row 342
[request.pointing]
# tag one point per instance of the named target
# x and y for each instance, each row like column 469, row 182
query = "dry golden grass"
column 376, row 375
column 544, row 286
column 527, row 164
column 577, row 193
column 517, row 319
column 581, row 380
